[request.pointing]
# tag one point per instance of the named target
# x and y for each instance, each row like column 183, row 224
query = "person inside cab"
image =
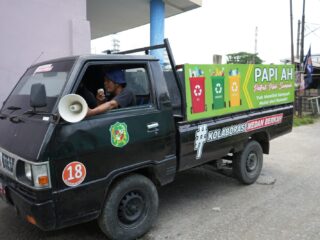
column 120, row 96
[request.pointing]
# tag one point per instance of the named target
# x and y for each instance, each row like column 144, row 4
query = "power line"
column 312, row 23
column 316, row 35
column 311, row 31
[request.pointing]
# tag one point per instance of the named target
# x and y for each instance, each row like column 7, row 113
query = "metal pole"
column 292, row 53
column 157, row 15
column 302, row 54
column 302, row 36
column 298, row 39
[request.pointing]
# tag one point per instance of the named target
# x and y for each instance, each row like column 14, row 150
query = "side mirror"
column 38, row 96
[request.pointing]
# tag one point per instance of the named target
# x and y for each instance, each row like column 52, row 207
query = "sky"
column 229, row 26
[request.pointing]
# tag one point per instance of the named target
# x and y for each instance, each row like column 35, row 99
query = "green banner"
column 213, row 90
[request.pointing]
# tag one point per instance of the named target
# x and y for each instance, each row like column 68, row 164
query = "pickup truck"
column 60, row 168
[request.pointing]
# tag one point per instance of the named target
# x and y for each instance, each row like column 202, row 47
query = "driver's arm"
column 102, row 108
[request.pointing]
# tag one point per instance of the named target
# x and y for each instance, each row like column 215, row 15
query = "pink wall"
column 37, row 29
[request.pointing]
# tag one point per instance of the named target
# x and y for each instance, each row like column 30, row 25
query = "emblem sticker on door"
column 119, row 134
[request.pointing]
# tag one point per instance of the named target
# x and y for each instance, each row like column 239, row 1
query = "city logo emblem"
column 119, row 134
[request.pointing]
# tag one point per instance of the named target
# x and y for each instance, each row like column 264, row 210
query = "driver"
column 120, row 96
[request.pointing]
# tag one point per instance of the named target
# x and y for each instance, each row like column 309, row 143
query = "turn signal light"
column 43, row 180
column 31, row 220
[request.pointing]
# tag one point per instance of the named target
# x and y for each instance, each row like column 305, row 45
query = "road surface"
column 202, row 204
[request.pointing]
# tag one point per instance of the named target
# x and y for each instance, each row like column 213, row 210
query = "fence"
column 307, row 102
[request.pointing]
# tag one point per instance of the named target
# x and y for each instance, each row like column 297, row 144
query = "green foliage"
column 300, row 121
column 243, row 58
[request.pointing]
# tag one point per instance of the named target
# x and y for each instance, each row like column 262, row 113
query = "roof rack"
column 165, row 45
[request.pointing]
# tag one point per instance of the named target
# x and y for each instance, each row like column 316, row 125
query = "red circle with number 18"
column 74, row 174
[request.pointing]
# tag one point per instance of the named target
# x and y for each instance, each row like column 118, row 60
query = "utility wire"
column 313, row 23
column 311, row 31
column 316, row 35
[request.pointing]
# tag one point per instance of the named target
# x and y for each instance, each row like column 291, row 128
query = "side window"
column 135, row 77
column 138, row 83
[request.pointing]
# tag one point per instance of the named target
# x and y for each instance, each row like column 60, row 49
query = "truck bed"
column 254, row 126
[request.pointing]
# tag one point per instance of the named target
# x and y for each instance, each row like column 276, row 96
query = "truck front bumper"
column 41, row 214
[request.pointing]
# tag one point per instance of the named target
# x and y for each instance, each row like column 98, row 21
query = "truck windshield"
column 52, row 75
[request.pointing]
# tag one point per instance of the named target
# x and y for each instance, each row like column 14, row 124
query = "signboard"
column 213, row 90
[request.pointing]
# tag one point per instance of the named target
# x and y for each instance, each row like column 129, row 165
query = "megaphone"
column 73, row 108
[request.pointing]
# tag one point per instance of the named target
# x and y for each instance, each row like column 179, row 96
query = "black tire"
column 130, row 208
column 247, row 164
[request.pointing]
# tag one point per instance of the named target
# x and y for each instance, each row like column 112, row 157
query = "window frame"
column 124, row 65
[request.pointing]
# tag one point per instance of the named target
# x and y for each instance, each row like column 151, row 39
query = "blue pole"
column 157, row 15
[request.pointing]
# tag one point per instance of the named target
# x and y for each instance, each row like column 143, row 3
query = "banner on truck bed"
column 213, row 90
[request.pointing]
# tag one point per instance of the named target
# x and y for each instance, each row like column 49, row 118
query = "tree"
column 243, row 58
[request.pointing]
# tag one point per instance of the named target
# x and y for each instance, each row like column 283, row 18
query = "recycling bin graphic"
column 218, row 92
column 234, row 88
column 197, row 87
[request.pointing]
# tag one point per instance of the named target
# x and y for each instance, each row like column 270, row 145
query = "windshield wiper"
column 33, row 112
column 13, row 108
column 3, row 116
column 15, row 119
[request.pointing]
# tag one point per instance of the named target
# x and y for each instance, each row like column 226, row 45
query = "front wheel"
column 130, row 208
column 247, row 164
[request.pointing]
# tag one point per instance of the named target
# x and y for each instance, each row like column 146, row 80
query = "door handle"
column 152, row 126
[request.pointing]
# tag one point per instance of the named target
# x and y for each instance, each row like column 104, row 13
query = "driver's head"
column 113, row 79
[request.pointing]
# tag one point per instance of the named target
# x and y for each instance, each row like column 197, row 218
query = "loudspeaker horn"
column 73, row 108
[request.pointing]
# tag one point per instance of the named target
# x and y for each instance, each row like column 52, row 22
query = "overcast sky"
column 228, row 26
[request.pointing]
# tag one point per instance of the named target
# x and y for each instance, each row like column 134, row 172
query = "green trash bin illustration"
column 218, row 92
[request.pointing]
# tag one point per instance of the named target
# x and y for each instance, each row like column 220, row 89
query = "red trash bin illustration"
column 197, row 88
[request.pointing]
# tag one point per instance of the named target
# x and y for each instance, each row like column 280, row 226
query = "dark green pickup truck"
column 57, row 169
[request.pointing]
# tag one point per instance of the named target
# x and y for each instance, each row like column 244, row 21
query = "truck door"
column 117, row 140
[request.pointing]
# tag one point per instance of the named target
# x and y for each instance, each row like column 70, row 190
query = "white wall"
column 38, row 30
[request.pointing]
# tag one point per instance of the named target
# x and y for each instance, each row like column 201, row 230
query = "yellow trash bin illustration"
column 234, row 88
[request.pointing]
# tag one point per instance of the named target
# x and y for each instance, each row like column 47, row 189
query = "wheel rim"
column 252, row 162
column 132, row 208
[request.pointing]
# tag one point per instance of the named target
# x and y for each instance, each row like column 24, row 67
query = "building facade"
column 36, row 30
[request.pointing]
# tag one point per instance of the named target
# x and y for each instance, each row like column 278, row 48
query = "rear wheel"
column 247, row 164
column 130, row 208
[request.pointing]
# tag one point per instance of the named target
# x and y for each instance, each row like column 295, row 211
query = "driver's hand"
column 100, row 95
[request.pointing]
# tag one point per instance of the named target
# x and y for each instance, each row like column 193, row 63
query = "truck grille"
column 7, row 162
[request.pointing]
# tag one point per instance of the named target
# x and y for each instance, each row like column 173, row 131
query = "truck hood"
column 23, row 139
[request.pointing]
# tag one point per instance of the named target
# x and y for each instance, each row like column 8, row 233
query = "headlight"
column 34, row 175
column 1, row 160
column 28, row 171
